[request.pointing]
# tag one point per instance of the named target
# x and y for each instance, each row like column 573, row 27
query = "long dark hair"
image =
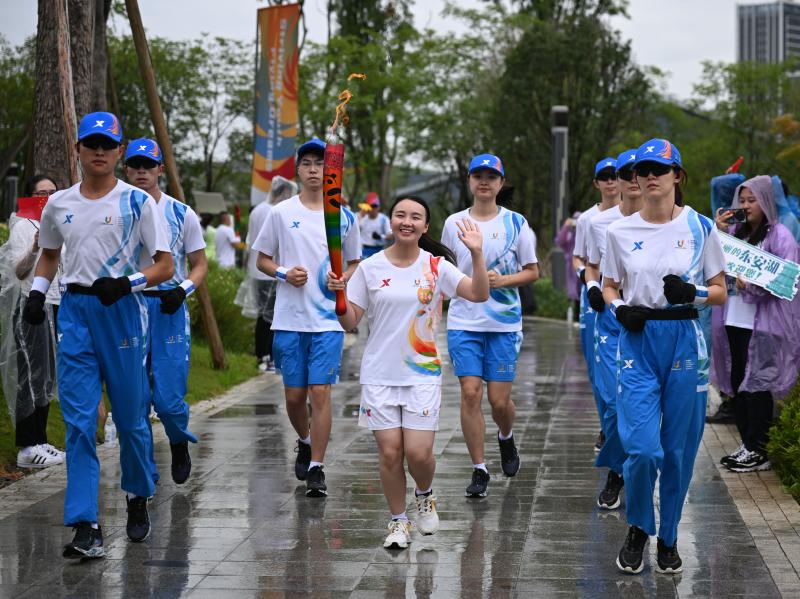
column 426, row 242
column 750, row 235
column 679, row 187
column 34, row 181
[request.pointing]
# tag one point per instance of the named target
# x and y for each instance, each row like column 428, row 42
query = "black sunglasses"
column 626, row 174
column 99, row 141
column 606, row 176
column 644, row 169
column 138, row 162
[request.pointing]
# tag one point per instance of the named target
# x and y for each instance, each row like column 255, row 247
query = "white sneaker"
column 399, row 535
column 35, row 457
column 427, row 519
column 55, row 452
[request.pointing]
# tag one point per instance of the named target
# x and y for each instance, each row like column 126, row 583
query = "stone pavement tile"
column 318, row 581
column 727, row 588
column 623, row 586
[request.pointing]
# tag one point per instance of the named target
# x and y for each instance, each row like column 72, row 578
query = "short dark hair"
column 31, row 184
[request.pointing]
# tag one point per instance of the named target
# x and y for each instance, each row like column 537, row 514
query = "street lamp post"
column 11, row 192
column 559, row 190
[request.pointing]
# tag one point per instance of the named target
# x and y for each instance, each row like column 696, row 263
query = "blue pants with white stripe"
column 587, row 321
column 606, row 333
column 663, row 379
column 169, row 350
column 102, row 344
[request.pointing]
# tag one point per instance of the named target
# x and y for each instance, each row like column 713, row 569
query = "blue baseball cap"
column 605, row 163
column 658, row 150
column 313, row 145
column 488, row 162
column 144, row 147
column 626, row 159
column 100, row 123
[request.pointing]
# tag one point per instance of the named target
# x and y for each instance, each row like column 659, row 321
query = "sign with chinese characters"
column 754, row 265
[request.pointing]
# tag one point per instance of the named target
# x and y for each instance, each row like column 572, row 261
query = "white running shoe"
column 427, row 520
column 55, row 452
column 399, row 535
column 35, row 457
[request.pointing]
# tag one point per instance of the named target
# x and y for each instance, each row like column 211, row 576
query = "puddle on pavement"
column 247, row 410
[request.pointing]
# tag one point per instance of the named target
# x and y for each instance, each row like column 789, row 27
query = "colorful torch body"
column 332, row 207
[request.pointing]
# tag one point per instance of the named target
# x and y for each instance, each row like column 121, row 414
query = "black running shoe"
column 181, row 462
column 315, row 482
column 601, row 440
column 732, row 458
column 509, row 457
column 630, row 559
column 668, row 561
column 302, row 460
column 750, row 461
column 479, row 485
column 87, row 543
column 138, row 526
column 609, row 496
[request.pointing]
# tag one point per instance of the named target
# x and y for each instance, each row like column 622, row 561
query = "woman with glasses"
column 31, row 349
column 669, row 260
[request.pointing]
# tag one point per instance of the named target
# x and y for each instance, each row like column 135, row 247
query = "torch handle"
column 332, row 208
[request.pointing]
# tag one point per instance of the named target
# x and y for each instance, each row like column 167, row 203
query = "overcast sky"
column 675, row 35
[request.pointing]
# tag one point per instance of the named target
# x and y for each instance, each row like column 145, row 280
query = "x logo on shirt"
column 67, row 219
column 295, row 224
column 385, row 283
column 628, row 364
column 637, row 245
column 603, row 338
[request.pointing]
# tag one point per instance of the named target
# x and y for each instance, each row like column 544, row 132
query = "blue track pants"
column 102, row 344
column 663, row 377
column 606, row 343
column 587, row 321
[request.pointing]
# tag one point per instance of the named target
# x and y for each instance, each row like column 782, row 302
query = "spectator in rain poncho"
column 566, row 241
column 256, row 295
column 785, row 214
column 27, row 353
column 755, row 350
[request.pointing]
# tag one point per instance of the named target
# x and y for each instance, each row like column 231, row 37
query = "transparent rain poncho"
column 27, row 353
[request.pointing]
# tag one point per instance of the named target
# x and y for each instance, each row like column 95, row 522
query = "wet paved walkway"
column 242, row 526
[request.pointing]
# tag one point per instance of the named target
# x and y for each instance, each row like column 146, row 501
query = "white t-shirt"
column 582, row 231
column 640, row 254
column 20, row 240
column 257, row 218
column 508, row 246
column 297, row 235
column 224, row 239
column 739, row 313
column 596, row 233
column 103, row 237
column 403, row 307
column 368, row 226
column 184, row 234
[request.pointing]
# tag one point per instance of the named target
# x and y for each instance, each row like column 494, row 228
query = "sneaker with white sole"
column 427, row 519
column 36, row 456
column 61, row 455
column 750, row 461
column 730, row 459
column 399, row 535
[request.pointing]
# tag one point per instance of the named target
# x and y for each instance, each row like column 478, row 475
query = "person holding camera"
column 755, row 349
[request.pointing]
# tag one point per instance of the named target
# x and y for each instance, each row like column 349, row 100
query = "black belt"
column 80, row 289
column 672, row 314
column 154, row 292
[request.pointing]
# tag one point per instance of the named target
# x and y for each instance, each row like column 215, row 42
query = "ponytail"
column 679, row 187
column 426, row 242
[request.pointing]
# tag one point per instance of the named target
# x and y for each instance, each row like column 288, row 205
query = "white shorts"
column 413, row 407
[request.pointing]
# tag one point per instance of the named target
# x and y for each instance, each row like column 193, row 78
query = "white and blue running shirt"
column 297, row 235
column 596, row 234
column 185, row 236
column 582, row 231
column 103, row 237
column 640, row 254
column 508, row 246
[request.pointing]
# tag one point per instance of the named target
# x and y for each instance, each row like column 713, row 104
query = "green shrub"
column 784, row 443
column 550, row 302
column 3, row 233
column 235, row 329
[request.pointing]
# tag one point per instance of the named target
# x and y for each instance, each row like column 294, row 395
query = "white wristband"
column 138, row 281
column 40, row 284
column 280, row 272
column 616, row 304
column 187, row 286
column 700, row 294
column 579, row 270
column 590, row 284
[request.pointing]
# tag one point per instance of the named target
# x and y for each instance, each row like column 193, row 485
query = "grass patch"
column 204, row 383
column 784, row 443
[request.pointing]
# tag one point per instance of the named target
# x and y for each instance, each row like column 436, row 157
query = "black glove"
column 596, row 300
column 376, row 236
column 678, row 291
column 33, row 312
column 109, row 290
column 632, row 318
column 582, row 276
column 172, row 300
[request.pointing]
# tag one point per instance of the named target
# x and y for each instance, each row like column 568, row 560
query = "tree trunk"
column 100, row 56
column 81, row 35
column 49, row 130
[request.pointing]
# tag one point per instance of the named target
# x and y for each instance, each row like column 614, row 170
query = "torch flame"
column 341, row 109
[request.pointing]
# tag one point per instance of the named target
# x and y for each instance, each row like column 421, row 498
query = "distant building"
column 768, row 32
